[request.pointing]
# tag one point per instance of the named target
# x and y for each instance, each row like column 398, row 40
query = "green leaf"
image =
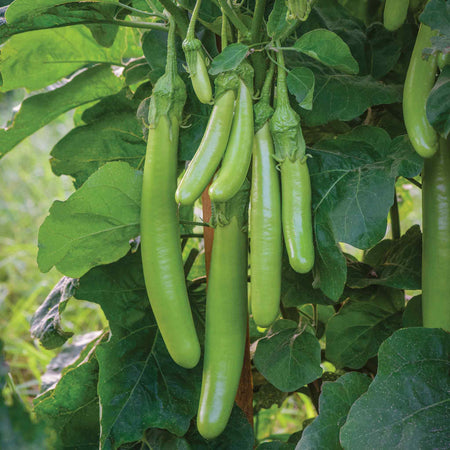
column 407, row 404
column 288, row 358
column 154, row 47
column 229, row 59
column 412, row 316
column 46, row 321
column 21, row 9
column 352, row 179
column 71, row 407
column 267, row 395
column 17, row 430
column 138, row 370
column 333, row 16
column 297, row 289
column 438, row 103
column 95, row 224
column 136, row 71
column 385, row 50
column 328, row 48
column 278, row 21
column 24, row 16
column 437, row 16
column 344, row 97
column 39, row 110
column 113, row 134
column 355, row 333
column 397, row 264
column 37, row 59
column 135, row 367
column 275, row 445
column 334, row 404
column 163, row 440
column 209, row 11
column 300, row 83
column 238, row 435
column 405, row 161
column 330, row 267
column 119, row 288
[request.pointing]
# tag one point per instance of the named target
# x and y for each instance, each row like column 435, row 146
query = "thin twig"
column 415, row 182
column 395, row 218
column 234, row 19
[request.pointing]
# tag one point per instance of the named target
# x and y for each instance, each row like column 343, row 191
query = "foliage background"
column 28, row 188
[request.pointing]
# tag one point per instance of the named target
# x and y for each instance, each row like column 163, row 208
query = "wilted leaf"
column 68, row 355
column 71, row 407
column 46, row 321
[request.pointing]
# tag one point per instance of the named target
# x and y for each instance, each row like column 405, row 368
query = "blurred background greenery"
column 27, row 190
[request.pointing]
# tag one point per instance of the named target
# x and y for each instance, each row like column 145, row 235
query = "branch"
column 234, row 19
column 395, row 218
column 177, row 14
column 258, row 16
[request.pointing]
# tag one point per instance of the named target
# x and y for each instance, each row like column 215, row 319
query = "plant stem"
column 223, row 31
column 282, row 93
column 126, row 23
column 191, row 29
column 267, row 87
column 315, row 317
column 118, row 22
column 257, row 59
column 171, row 62
column 234, row 19
column 314, row 391
column 201, row 224
column 138, row 11
column 395, row 218
column 259, row 64
column 178, row 15
column 258, row 17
